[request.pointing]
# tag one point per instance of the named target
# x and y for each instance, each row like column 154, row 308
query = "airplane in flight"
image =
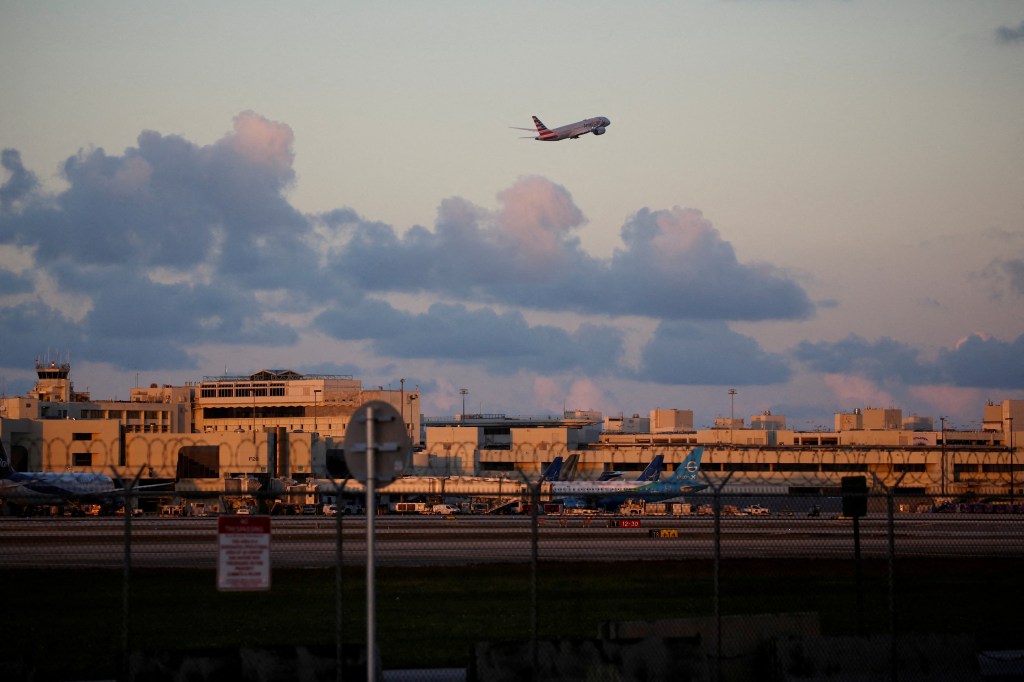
column 34, row 489
column 597, row 125
column 610, row 494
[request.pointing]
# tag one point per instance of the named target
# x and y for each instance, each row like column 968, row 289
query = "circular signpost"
column 377, row 446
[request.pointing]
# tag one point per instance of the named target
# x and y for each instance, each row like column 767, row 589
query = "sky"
column 817, row 203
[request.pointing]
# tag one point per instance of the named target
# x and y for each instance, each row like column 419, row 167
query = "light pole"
column 316, row 407
column 732, row 412
column 1010, row 419
column 253, row 414
column 464, row 392
column 942, row 454
column 413, row 397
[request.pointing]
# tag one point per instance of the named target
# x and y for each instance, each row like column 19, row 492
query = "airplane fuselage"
column 596, row 125
column 628, row 488
column 53, row 488
column 612, row 493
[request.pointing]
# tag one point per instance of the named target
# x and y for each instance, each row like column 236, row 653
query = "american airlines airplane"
column 596, row 125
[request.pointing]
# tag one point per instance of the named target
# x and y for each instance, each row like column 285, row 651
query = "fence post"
column 127, row 493
column 339, row 654
column 534, row 532
column 890, row 504
column 717, row 508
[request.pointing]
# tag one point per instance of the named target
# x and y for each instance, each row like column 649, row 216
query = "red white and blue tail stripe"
column 543, row 129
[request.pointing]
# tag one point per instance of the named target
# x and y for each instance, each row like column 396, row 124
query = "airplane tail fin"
column 553, row 470
column 569, row 468
column 689, row 468
column 6, row 471
column 543, row 132
column 653, row 470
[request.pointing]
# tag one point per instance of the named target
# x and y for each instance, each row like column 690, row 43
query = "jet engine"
column 599, row 131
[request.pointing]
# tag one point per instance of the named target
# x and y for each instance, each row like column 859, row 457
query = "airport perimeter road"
column 411, row 541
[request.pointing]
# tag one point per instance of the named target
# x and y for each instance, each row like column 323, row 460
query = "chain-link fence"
column 476, row 582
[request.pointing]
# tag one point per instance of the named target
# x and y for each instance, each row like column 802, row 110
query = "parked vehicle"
column 352, row 509
column 756, row 510
column 409, row 508
column 446, row 509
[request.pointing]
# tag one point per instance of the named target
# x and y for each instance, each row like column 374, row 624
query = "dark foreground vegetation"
column 68, row 624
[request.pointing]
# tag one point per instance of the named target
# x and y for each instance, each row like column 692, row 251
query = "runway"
column 310, row 542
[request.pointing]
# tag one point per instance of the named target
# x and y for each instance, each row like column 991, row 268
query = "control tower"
column 54, row 383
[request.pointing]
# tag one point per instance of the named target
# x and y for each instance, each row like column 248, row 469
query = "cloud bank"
column 171, row 245
column 976, row 361
column 1011, row 34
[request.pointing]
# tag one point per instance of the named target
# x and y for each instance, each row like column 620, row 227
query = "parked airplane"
column 569, row 468
column 596, row 125
column 553, row 471
column 651, row 473
column 34, row 489
column 610, row 494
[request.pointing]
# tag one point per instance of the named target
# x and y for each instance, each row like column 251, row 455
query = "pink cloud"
column 584, row 394
column 547, row 392
column 537, row 214
column 950, row 399
column 857, row 391
column 264, row 142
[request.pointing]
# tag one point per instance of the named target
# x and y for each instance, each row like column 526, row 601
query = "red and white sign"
column 243, row 561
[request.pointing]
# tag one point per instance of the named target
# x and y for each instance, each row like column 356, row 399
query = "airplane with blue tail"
column 553, row 470
column 651, row 473
column 612, row 494
column 75, row 488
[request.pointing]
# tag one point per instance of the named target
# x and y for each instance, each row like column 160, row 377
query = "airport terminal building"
column 280, row 424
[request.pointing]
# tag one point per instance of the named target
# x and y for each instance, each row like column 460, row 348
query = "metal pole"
column 125, row 587
column 732, row 412
column 339, row 653
column 893, row 652
column 371, row 586
column 890, row 492
column 534, row 523
column 1010, row 419
column 944, row 473
column 718, row 585
column 128, row 494
column 860, row 575
column 316, row 408
column 717, row 508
